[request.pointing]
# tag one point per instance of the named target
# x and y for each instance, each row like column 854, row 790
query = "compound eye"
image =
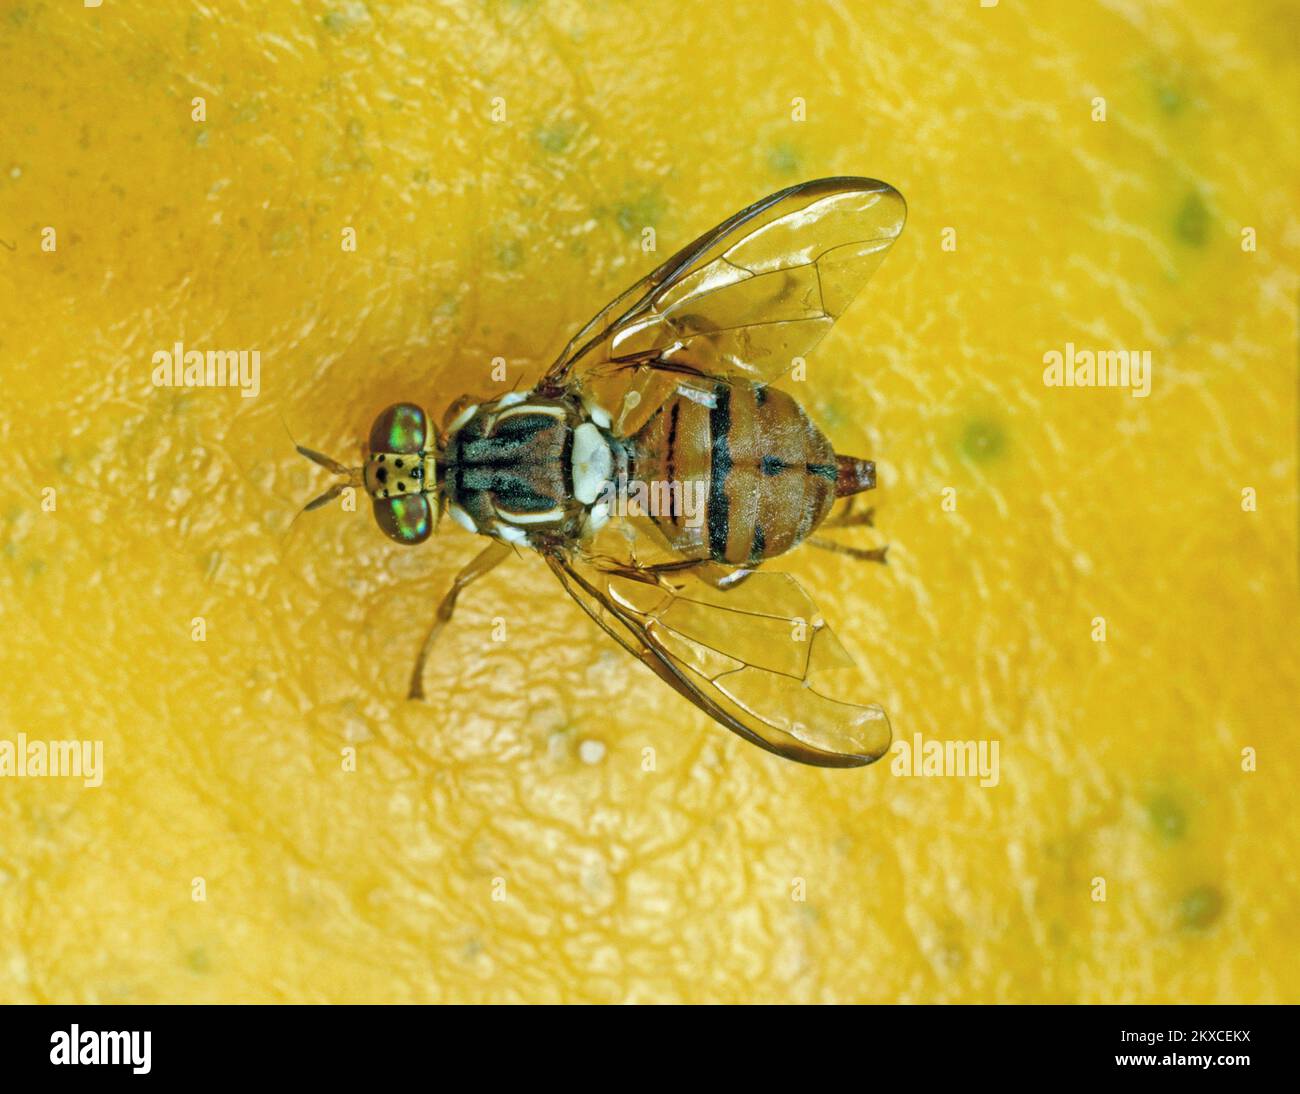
column 403, row 427
column 407, row 520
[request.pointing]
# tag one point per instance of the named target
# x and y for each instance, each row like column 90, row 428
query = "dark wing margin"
column 755, row 293
column 756, row 657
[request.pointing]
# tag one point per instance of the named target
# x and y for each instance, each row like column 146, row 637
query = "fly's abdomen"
column 764, row 473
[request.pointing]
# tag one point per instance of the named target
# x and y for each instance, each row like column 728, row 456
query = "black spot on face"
column 417, row 473
column 397, row 464
column 382, row 473
column 401, row 488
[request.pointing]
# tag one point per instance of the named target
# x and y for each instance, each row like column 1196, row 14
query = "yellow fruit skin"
column 499, row 164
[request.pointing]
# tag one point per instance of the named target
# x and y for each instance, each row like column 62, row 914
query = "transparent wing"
column 755, row 656
column 757, row 291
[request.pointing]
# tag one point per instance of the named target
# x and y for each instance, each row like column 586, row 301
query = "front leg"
column 494, row 553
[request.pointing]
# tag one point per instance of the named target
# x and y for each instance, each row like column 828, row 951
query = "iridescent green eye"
column 408, row 520
column 403, row 427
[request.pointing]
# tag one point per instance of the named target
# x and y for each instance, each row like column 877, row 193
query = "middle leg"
column 486, row 560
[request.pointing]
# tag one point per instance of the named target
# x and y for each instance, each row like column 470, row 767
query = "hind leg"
column 850, row 516
column 863, row 554
column 854, row 476
column 494, row 553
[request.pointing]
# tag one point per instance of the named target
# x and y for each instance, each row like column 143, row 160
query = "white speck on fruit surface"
column 591, row 752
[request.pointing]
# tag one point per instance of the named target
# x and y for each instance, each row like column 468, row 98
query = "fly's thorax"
column 527, row 465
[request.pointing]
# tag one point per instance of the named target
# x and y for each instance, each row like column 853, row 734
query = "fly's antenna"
column 324, row 499
column 326, row 462
column 351, row 476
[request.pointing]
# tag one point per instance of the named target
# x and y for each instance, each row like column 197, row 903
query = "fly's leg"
column 874, row 554
column 712, row 573
column 491, row 555
column 723, row 578
column 848, row 517
column 731, row 580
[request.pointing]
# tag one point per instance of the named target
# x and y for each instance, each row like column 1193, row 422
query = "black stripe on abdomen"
column 827, row 471
column 720, row 431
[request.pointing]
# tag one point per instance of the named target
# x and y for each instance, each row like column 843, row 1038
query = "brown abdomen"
column 767, row 473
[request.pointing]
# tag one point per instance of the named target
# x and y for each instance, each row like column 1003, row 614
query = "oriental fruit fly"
column 656, row 469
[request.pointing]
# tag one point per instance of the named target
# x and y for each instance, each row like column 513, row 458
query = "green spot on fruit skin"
column 783, row 159
column 831, row 415
column 555, row 139
column 210, row 563
column 1192, row 224
column 343, row 18
column 983, row 440
column 510, row 255
column 1170, row 99
column 285, row 239
column 1200, row 908
column 332, row 165
column 635, row 216
column 1167, row 817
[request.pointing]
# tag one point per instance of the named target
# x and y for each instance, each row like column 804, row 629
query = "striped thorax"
column 525, row 466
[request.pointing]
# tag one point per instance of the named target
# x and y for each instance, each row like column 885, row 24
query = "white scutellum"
column 593, row 463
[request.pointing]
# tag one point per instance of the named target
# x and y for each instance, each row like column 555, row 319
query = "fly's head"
column 400, row 473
